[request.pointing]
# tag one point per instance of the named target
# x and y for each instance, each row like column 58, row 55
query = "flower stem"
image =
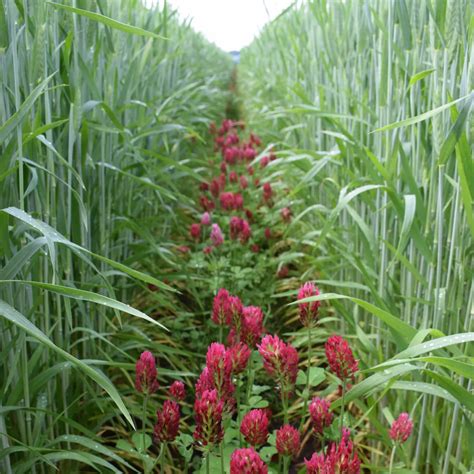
column 342, row 407
column 284, row 400
column 392, row 458
column 237, row 396
column 142, row 447
column 208, row 470
column 162, row 458
column 285, row 464
column 249, row 381
column 221, row 449
column 145, row 403
column 220, row 333
column 307, row 396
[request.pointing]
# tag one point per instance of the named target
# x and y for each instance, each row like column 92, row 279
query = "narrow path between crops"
column 255, row 380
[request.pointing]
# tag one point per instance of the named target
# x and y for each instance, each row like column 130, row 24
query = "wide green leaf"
column 421, row 117
column 84, row 295
column 12, row 315
column 118, row 25
column 403, row 329
column 53, row 236
column 25, row 107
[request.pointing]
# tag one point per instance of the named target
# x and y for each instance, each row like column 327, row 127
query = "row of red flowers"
column 232, row 191
column 235, row 195
column 215, row 392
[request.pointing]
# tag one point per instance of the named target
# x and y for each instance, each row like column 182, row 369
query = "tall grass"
column 385, row 212
column 102, row 106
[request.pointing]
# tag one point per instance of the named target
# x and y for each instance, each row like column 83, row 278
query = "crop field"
column 252, row 267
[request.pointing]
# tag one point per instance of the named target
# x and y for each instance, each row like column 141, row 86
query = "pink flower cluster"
column 217, row 375
column 145, row 373
column 321, row 417
column 401, row 428
column 340, row 358
column 308, row 310
column 167, row 425
column 288, row 441
column 168, row 417
column 208, row 409
column 217, row 237
column 228, row 191
column 247, row 461
column 220, row 308
column 239, row 355
column 239, row 229
column 280, row 360
column 177, row 390
column 339, row 459
column 245, row 322
column 254, row 427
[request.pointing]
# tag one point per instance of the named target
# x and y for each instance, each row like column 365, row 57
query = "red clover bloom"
column 288, row 441
column 264, row 161
column 220, row 307
column 286, row 214
column 279, row 360
column 308, row 311
column 245, row 232
column 208, row 416
column 340, row 358
column 145, row 378
column 206, row 219
column 239, row 355
column 195, row 231
column 254, row 427
column 167, row 425
column 217, row 237
column 219, row 365
column 235, row 227
column 177, row 390
column 320, row 414
column 247, row 461
column 401, row 428
column 252, row 325
column 235, row 312
column 339, row 459
column 267, row 192
column 204, row 382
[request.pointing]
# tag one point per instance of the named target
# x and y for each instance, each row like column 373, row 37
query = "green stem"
column 162, row 458
column 392, row 458
column 284, row 400
column 145, row 403
column 208, row 469
column 342, row 406
column 237, row 396
column 221, row 449
column 307, row 395
column 286, row 460
column 221, row 330
column 249, row 381
column 218, row 271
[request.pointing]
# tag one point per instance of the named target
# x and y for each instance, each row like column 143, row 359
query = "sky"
column 231, row 24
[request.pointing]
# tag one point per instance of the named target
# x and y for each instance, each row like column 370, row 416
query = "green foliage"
column 103, row 106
